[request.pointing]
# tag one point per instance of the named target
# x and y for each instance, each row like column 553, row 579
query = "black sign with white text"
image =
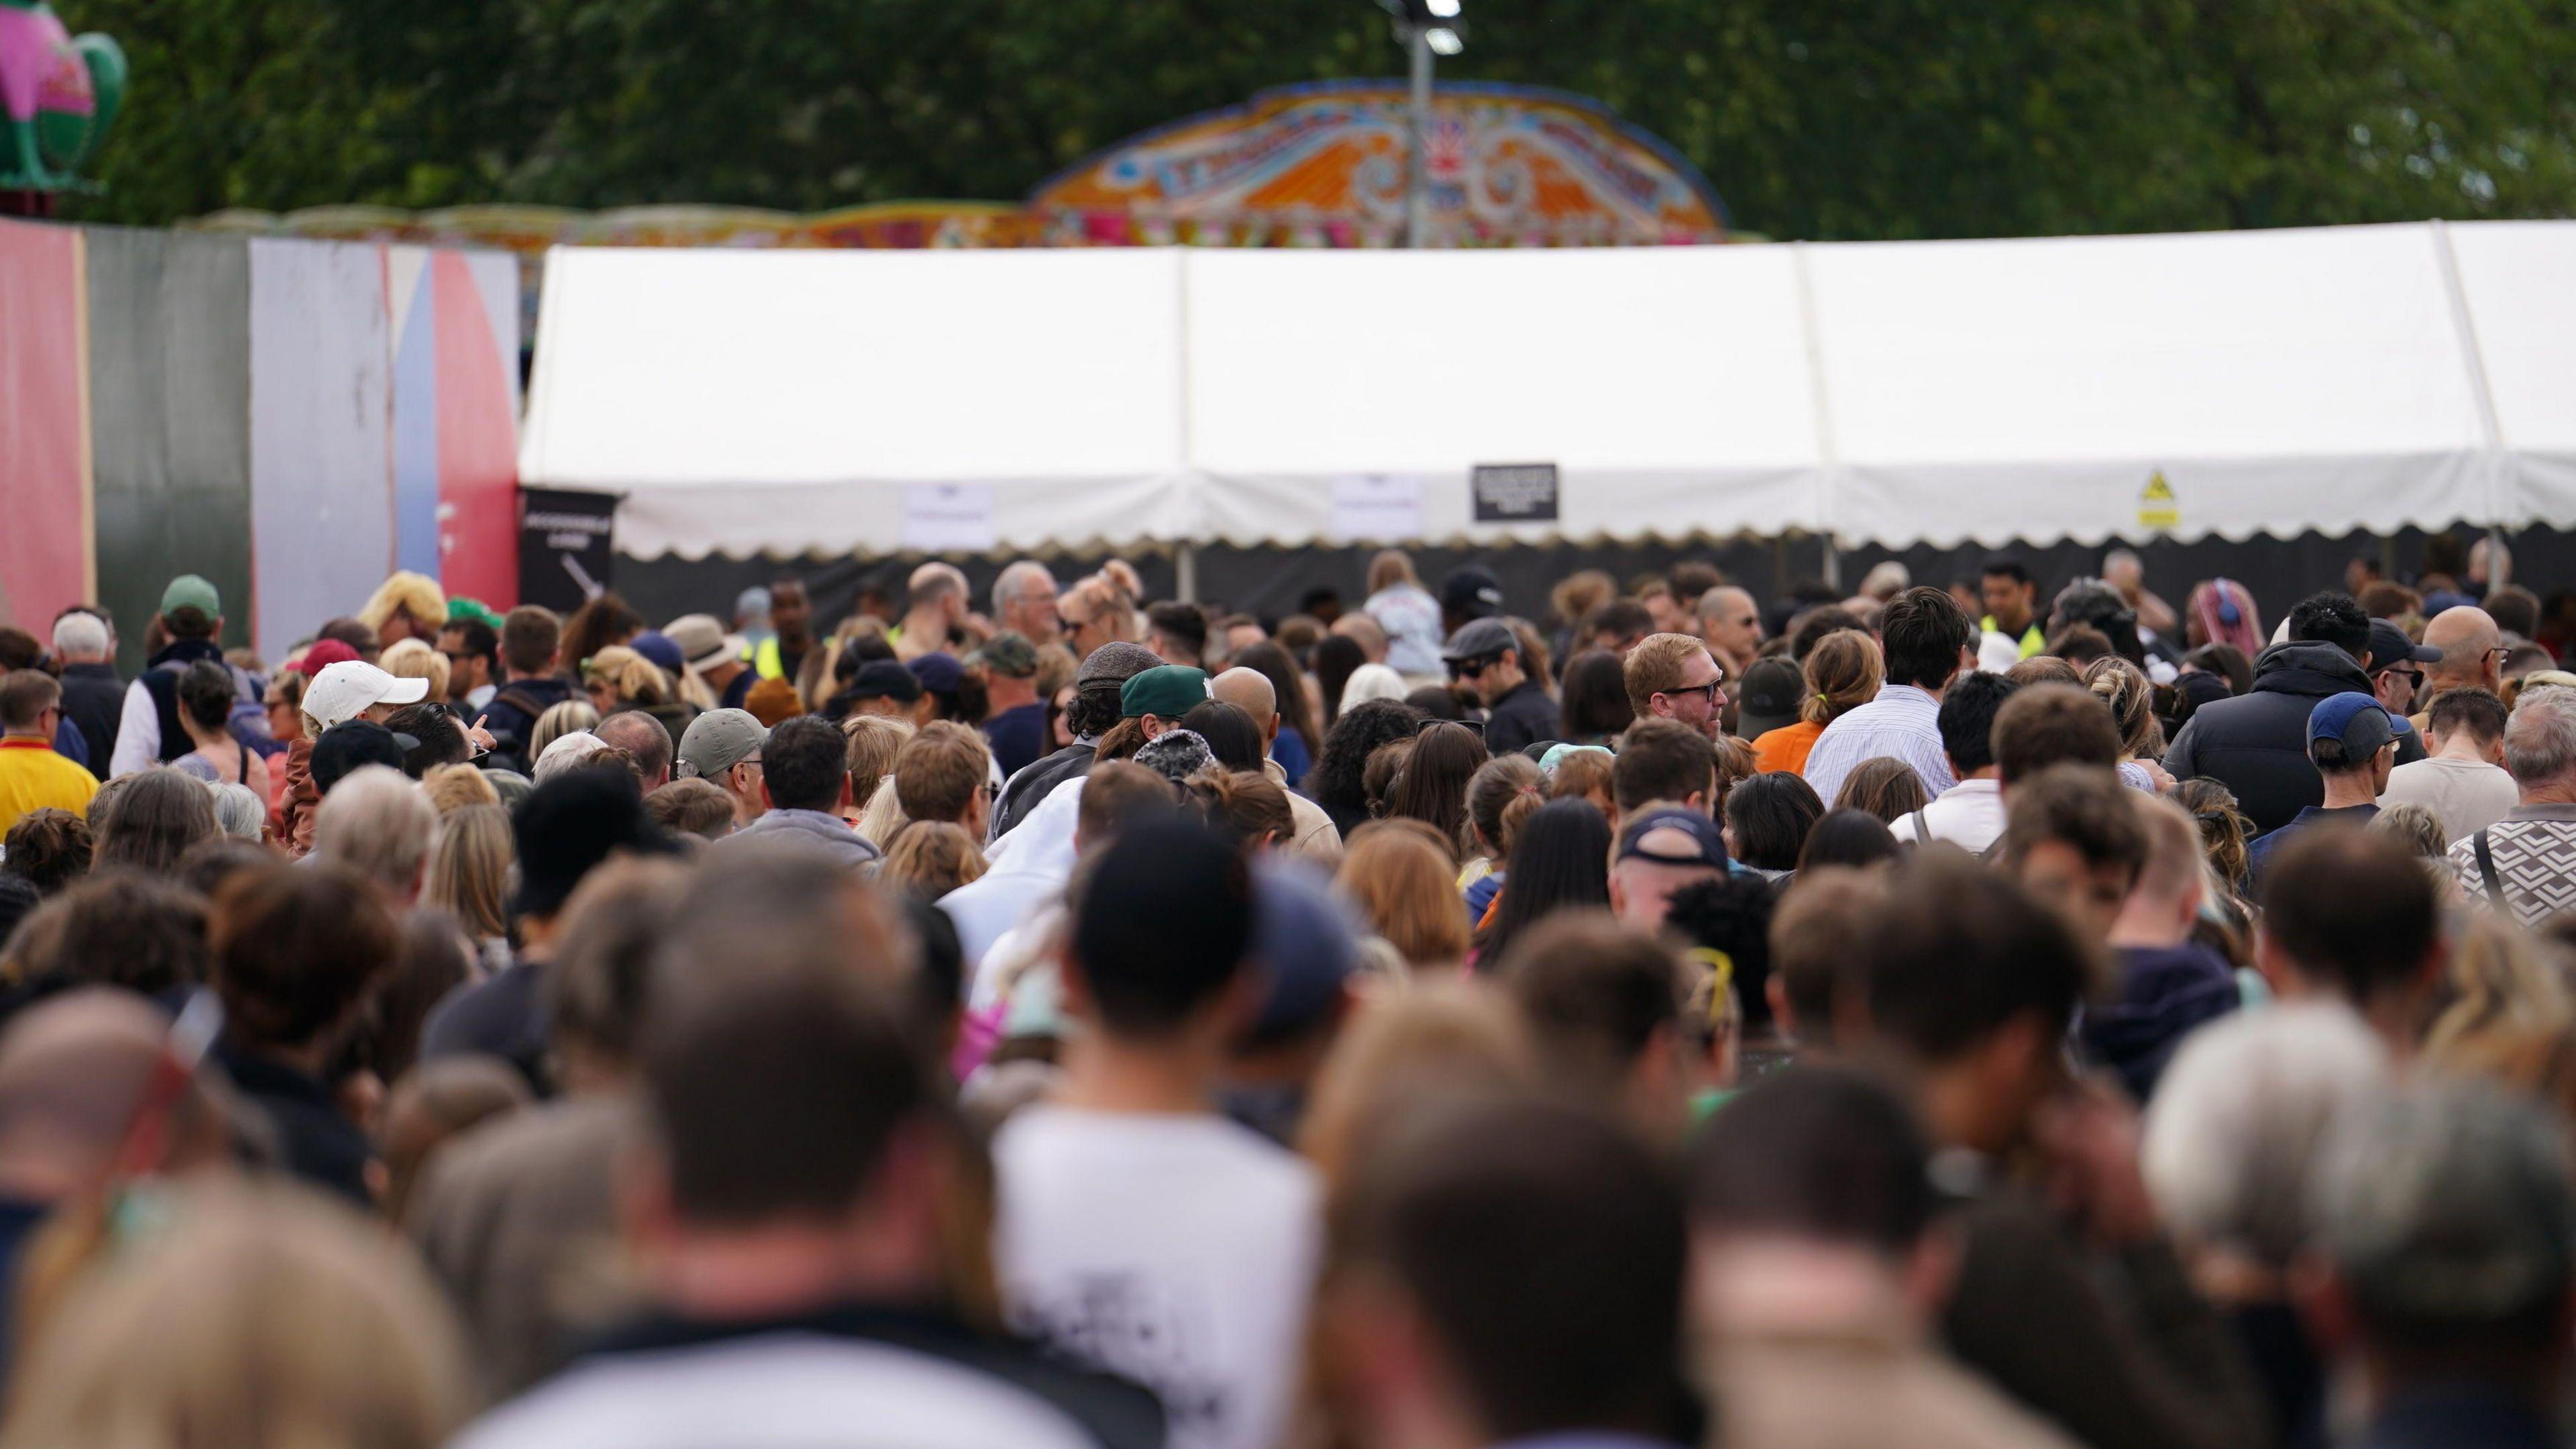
column 566, row 547
column 1514, row 492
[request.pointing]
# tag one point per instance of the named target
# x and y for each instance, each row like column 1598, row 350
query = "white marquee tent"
column 2078, row 388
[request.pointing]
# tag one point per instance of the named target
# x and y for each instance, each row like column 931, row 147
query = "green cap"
column 1166, row 691
column 460, row 609
column 1008, row 653
column 189, row 591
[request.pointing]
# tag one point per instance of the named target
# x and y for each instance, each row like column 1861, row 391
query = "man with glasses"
column 473, row 651
column 2472, row 656
column 1673, row 676
column 723, row 747
column 1486, row 655
column 2396, row 668
column 32, row 776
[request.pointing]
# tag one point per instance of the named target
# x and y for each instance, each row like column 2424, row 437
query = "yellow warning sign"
column 2157, row 507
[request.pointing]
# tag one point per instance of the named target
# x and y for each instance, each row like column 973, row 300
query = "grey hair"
column 564, row 752
column 2238, row 1119
column 80, row 633
column 238, row 811
column 1012, row 582
column 2446, row 1208
column 2540, row 738
column 378, row 824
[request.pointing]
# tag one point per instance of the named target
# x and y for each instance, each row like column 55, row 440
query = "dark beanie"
column 1162, row 925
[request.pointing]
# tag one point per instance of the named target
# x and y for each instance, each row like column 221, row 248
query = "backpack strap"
column 2487, row 872
column 1922, row 829
column 520, row 700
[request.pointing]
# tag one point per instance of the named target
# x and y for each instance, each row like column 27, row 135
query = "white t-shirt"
column 1175, row 1250
column 777, row 1391
column 2467, row 796
column 1969, row 815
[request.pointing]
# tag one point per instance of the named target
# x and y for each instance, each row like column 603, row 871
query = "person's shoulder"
column 949, row 1389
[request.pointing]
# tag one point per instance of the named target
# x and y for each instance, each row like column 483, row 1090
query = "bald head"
column 72, row 1072
column 646, row 738
column 2467, row 639
column 935, row 583
column 1249, row 690
column 1364, row 631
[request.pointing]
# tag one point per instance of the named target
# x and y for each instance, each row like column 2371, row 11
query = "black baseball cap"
column 352, row 743
column 1774, row 691
column 2389, row 646
column 1473, row 592
column 885, row 679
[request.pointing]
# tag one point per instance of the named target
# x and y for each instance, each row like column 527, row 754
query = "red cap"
column 323, row 652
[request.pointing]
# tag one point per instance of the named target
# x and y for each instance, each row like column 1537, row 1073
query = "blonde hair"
column 415, row 659
column 932, row 858
column 1843, row 672
column 272, row 1317
column 416, row 595
column 636, row 679
column 469, row 873
column 1391, row 567
column 2504, row 981
column 874, row 740
column 882, row 818
column 560, row 719
column 2132, row 700
column 1402, row 877
column 450, row 788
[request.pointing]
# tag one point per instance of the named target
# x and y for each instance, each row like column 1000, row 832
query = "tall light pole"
column 1426, row 28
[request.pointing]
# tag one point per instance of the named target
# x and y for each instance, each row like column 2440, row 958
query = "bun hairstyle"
column 1248, row 807
column 1503, row 794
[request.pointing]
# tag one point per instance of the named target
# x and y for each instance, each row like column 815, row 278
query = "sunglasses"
column 1473, row 668
column 1706, row 691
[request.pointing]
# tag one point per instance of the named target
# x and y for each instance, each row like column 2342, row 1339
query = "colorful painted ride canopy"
column 1326, row 165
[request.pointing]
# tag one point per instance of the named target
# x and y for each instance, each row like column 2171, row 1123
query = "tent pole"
column 1833, row 564
column 1185, row 573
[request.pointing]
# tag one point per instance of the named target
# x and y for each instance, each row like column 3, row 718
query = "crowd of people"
column 1648, row 1016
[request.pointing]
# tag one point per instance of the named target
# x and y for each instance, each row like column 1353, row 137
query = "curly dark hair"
column 1337, row 781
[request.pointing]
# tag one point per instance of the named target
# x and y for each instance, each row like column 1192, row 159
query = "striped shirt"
column 1903, row 723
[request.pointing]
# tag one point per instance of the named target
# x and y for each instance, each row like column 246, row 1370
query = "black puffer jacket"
column 2257, row 745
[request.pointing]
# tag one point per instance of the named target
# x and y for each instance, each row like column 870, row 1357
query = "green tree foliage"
column 1814, row 118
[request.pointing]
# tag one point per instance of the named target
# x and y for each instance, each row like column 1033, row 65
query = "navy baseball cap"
column 938, row 673
column 1673, row 836
column 2360, row 722
column 2389, row 646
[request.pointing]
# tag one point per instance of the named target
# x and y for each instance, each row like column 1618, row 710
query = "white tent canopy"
column 2226, row 383
column 794, row 401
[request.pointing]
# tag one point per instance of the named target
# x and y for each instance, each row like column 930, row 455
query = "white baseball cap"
column 348, row 689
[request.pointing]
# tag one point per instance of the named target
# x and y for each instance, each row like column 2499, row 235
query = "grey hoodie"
column 814, row 829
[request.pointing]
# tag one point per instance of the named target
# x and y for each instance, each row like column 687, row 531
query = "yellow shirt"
column 33, row 777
